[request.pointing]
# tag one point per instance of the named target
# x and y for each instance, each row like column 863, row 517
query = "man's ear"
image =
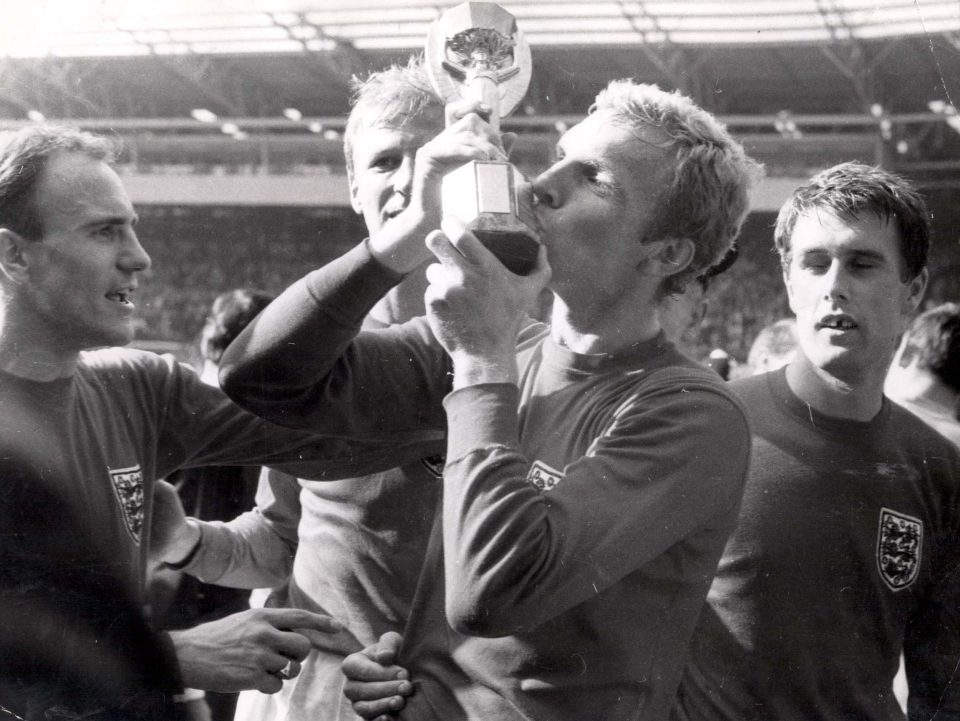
column 786, row 284
column 669, row 256
column 354, row 191
column 915, row 291
column 13, row 259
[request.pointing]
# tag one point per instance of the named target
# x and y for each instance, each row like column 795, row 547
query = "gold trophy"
column 475, row 51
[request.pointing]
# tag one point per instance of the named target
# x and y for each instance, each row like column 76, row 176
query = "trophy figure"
column 475, row 51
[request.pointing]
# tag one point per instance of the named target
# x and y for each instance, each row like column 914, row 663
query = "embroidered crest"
column 543, row 476
column 899, row 541
column 434, row 464
column 128, row 484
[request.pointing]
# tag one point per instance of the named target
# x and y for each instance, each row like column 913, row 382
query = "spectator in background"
column 359, row 544
column 104, row 424
column 846, row 550
column 229, row 314
column 925, row 377
column 774, row 346
column 213, row 493
column 684, row 311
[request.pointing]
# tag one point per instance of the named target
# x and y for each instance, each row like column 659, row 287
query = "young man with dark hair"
column 582, row 515
column 846, row 550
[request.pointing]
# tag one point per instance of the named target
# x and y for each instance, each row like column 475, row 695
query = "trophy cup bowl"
column 475, row 51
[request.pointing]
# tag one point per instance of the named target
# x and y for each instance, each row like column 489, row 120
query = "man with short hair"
column 846, row 551
column 925, row 377
column 582, row 512
column 352, row 549
column 102, row 425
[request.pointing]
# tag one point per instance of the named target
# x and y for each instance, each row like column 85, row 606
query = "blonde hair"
column 708, row 197
column 391, row 97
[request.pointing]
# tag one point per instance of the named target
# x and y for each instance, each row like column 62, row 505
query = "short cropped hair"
column 708, row 198
column 389, row 98
column 24, row 155
column 230, row 313
column 933, row 343
column 851, row 189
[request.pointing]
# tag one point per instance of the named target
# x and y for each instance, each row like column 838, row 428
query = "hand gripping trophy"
column 475, row 51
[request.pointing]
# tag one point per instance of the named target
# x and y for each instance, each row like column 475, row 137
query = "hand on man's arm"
column 255, row 649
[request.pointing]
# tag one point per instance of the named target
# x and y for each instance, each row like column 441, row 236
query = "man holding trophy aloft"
column 583, row 509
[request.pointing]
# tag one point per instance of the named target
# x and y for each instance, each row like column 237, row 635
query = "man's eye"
column 386, row 163
column 105, row 231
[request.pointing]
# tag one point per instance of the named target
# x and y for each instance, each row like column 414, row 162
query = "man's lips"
column 121, row 295
column 836, row 322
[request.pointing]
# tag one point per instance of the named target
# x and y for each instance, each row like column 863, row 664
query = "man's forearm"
column 296, row 339
column 243, row 553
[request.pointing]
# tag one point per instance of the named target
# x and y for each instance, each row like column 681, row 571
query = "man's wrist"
column 399, row 243
column 188, row 695
column 471, row 370
column 185, row 547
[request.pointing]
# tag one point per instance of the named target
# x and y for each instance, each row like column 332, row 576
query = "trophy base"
column 517, row 251
column 487, row 198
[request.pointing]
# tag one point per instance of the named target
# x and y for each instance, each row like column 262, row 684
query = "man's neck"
column 859, row 400
column 23, row 354
column 603, row 330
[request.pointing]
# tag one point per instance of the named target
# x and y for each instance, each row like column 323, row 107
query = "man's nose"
column 403, row 177
column 835, row 282
column 134, row 256
column 546, row 189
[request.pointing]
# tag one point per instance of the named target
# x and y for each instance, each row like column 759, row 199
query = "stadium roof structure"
column 798, row 72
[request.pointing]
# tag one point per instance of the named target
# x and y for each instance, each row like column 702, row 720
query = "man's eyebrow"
column 113, row 220
column 868, row 253
column 847, row 253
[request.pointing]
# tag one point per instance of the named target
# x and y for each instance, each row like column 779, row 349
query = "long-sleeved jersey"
column 583, row 514
column 846, row 553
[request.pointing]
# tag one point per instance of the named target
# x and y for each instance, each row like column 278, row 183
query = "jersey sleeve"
column 256, row 549
column 516, row 557
column 198, row 425
column 304, row 362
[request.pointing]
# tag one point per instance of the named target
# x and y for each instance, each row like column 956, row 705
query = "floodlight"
column 203, row 115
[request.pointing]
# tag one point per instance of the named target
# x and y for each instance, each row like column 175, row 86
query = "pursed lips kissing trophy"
column 475, row 51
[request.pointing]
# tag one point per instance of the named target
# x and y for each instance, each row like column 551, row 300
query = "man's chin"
column 113, row 337
column 841, row 363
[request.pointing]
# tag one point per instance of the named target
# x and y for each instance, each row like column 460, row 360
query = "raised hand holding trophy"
column 475, row 51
